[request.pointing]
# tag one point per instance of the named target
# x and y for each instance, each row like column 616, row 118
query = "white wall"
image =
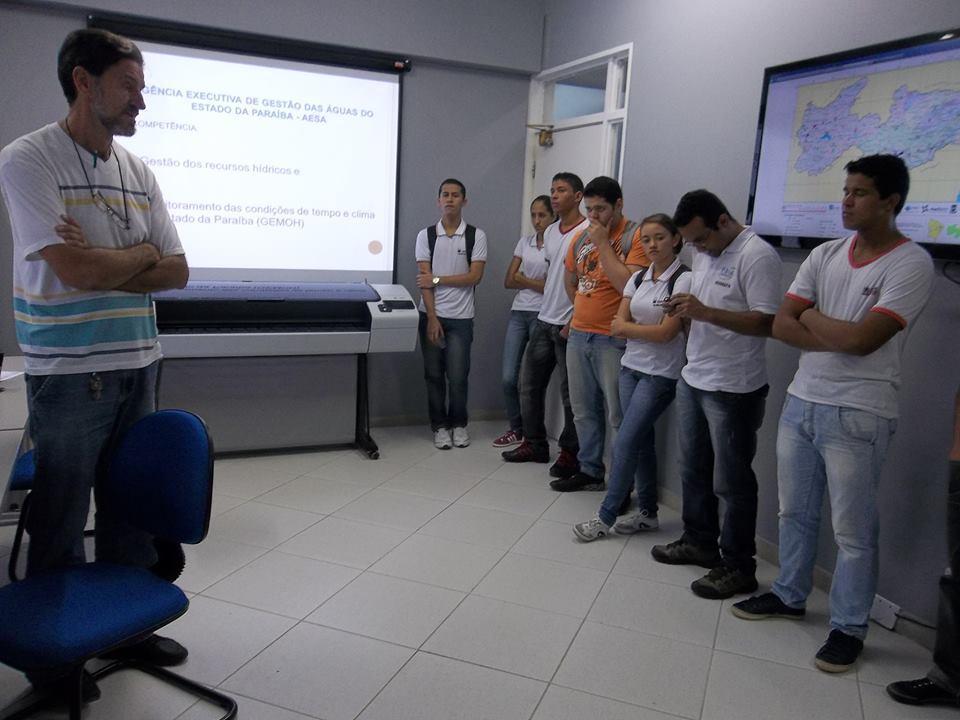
column 694, row 104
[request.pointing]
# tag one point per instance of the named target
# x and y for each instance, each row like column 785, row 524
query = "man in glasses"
column 721, row 395
column 92, row 239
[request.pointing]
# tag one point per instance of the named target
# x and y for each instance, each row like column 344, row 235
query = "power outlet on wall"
column 884, row 612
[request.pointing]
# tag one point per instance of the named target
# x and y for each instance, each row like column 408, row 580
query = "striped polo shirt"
column 61, row 329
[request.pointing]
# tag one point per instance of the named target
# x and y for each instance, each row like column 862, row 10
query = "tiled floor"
column 436, row 585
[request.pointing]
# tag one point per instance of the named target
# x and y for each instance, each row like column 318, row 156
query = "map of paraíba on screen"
column 912, row 112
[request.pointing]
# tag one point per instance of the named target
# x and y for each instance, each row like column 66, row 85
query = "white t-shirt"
column 61, row 329
column 557, row 308
column 533, row 264
column 654, row 358
column 450, row 258
column 745, row 276
column 897, row 284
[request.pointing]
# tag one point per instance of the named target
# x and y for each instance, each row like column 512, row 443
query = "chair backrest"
column 162, row 475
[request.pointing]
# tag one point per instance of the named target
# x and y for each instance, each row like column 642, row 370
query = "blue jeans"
column 718, row 439
column 75, row 422
column 643, row 398
column 546, row 352
column 443, row 366
column 826, row 447
column 519, row 328
column 593, row 369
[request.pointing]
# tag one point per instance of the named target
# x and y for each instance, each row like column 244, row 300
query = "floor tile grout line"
column 713, row 652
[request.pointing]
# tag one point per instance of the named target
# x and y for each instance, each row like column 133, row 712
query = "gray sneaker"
column 635, row 522
column 461, row 438
column 591, row 529
column 683, row 552
column 724, row 582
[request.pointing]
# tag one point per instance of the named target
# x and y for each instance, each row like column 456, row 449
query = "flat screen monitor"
column 817, row 115
column 275, row 166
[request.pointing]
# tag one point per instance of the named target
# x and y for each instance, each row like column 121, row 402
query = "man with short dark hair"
column 847, row 310
column 547, row 347
column 721, row 395
column 92, row 239
column 598, row 264
column 450, row 260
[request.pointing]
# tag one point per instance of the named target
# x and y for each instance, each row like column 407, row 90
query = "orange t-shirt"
column 596, row 301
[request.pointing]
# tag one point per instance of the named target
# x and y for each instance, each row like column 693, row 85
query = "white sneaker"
column 441, row 438
column 460, row 437
column 591, row 529
column 635, row 522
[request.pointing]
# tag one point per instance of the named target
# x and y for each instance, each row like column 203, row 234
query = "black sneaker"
column 923, row 691
column 839, row 653
column 525, row 452
column 566, row 465
column 579, row 481
column 765, row 606
column 682, row 552
column 723, row 582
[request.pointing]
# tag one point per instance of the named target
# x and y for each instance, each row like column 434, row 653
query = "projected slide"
column 271, row 169
column 818, row 119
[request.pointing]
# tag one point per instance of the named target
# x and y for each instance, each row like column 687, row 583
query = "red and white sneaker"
column 508, row 439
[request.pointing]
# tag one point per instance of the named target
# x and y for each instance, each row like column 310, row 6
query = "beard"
column 117, row 122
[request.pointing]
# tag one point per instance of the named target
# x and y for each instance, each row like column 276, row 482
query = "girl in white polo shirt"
column 527, row 273
column 650, row 368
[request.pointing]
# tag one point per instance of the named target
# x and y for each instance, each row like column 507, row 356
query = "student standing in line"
column 849, row 310
column 651, row 365
column 598, row 265
column 547, row 348
column 527, row 274
column 722, row 392
column 451, row 256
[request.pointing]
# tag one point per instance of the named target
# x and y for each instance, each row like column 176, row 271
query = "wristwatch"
column 436, row 280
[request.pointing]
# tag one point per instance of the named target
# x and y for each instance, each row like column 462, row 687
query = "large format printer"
column 279, row 364
column 244, row 319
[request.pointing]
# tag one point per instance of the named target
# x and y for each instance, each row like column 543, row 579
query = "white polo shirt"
column 533, row 264
column 897, row 284
column 557, row 308
column 655, row 358
column 744, row 277
column 450, row 258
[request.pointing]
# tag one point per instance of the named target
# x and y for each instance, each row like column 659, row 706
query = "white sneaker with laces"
column 460, row 437
column 635, row 522
column 591, row 529
column 441, row 438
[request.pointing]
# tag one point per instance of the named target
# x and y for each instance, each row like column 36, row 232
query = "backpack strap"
column 626, row 240
column 471, row 240
column 676, row 276
column 579, row 242
column 639, row 278
column 670, row 284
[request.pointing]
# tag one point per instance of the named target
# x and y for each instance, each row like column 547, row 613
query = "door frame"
column 539, row 114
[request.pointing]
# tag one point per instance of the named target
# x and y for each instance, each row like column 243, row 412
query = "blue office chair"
column 21, row 480
column 55, row 621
